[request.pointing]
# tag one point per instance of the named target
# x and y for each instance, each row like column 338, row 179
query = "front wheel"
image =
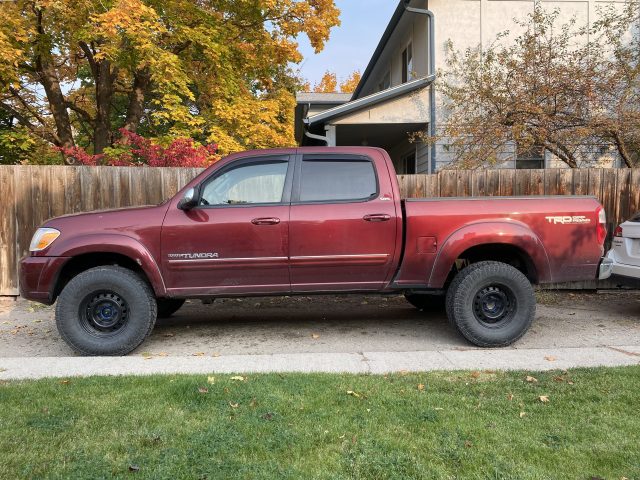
column 491, row 303
column 105, row 311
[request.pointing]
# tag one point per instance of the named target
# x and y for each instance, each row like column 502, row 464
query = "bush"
column 133, row 150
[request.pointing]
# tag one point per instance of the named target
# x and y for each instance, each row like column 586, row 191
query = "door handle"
column 376, row 217
column 266, row 221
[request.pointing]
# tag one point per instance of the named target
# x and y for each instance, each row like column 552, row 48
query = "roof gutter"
column 431, row 73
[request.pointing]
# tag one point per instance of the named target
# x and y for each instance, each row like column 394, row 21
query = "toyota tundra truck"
column 303, row 221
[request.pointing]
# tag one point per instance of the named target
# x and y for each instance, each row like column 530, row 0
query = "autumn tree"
column 351, row 82
column 75, row 72
column 548, row 87
column 329, row 83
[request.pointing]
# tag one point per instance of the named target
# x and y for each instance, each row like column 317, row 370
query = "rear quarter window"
column 635, row 218
column 325, row 180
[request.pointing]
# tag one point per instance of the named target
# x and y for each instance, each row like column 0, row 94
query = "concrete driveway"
column 603, row 325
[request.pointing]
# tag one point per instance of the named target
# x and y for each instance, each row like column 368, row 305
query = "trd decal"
column 574, row 220
column 192, row 256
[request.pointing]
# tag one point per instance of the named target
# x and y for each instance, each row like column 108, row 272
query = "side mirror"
column 189, row 200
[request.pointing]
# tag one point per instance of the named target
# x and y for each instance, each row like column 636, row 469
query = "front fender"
column 113, row 243
column 483, row 233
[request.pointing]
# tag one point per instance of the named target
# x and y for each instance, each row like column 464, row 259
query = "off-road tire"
column 169, row 306
column 427, row 303
column 76, row 317
column 469, row 301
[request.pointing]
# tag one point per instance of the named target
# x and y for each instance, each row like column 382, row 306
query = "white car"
column 625, row 250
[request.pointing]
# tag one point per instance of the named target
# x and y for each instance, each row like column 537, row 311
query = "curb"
column 362, row 362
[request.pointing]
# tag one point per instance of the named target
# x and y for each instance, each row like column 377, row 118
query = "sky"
column 352, row 43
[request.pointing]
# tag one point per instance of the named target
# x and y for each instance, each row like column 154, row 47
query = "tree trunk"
column 622, row 148
column 136, row 100
column 104, row 79
column 49, row 79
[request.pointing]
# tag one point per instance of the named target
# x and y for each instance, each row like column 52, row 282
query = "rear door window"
column 635, row 218
column 339, row 179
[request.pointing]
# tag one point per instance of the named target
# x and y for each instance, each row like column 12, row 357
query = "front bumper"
column 38, row 276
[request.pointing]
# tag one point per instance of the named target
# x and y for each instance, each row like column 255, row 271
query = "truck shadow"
column 356, row 323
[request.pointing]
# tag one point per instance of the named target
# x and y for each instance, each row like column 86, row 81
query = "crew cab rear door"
column 342, row 230
column 235, row 240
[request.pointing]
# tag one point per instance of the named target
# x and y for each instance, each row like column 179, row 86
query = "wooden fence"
column 31, row 194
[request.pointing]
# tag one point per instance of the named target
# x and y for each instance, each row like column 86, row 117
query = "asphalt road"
column 332, row 324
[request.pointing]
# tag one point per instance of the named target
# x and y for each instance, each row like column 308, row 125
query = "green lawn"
column 430, row 425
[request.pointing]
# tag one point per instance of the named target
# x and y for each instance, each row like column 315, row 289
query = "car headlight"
column 43, row 238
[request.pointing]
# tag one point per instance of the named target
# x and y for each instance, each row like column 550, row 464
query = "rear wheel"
column 105, row 311
column 491, row 303
column 168, row 306
column 427, row 303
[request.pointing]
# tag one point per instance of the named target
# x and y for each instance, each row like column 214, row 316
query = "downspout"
column 316, row 137
column 432, row 72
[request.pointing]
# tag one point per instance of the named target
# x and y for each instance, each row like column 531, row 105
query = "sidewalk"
column 364, row 362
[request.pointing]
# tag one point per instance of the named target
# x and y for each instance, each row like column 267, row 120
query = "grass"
column 296, row 426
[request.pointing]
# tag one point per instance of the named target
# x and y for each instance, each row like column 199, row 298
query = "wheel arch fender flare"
column 114, row 244
column 512, row 234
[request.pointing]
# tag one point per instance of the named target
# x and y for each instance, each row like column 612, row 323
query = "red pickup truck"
column 302, row 221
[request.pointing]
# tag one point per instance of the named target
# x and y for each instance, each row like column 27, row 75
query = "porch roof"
column 369, row 100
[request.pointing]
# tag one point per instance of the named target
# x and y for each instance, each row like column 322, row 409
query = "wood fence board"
column 8, row 260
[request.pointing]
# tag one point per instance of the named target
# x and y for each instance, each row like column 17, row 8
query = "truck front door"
column 343, row 225
column 236, row 240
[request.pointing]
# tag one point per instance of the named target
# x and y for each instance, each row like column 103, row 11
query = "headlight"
column 43, row 238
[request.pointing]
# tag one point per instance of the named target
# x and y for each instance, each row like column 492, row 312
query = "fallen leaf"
column 65, row 382
column 550, row 358
column 522, row 414
column 315, row 336
column 543, row 398
column 162, row 354
column 510, row 397
column 531, row 379
column 421, row 387
column 215, row 354
column 558, row 379
column 198, row 354
column 169, row 335
column 211, row 380
column 238, row 379
column 203, row 390
column 253, row 402
column 234, row 405
column 475, row 374
column 353, row 394
column 134, row 468
column 468, row 444
column 269, row 416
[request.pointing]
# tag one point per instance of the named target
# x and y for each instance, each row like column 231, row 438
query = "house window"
column 407, row 164
column 530, row 157
column 407, row 63
column 386, row 82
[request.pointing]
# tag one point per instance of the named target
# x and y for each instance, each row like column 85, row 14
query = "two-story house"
column 397, row 95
